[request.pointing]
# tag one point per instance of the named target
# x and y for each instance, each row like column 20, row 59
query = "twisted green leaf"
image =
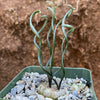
column 40, row 43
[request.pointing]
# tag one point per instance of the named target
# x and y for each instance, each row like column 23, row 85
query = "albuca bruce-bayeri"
column 49, row 65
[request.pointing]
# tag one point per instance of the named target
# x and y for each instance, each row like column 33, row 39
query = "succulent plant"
column 48, row 69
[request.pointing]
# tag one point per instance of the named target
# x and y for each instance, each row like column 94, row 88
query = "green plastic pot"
column 70, row 73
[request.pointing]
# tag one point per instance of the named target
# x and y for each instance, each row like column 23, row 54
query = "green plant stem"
column 51, row 60
column 65, row 39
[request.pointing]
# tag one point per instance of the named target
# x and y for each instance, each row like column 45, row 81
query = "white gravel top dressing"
column 34, row 86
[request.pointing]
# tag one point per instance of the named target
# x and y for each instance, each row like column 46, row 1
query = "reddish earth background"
column 17, row 49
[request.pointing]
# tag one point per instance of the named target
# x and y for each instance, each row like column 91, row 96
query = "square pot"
column 70, row 73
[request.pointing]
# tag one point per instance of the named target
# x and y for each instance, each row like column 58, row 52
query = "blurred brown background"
column 17, row 49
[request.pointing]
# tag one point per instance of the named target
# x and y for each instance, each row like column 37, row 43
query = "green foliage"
column 49, row 66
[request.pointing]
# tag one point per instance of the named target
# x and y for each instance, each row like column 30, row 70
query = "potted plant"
column 51, row 83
